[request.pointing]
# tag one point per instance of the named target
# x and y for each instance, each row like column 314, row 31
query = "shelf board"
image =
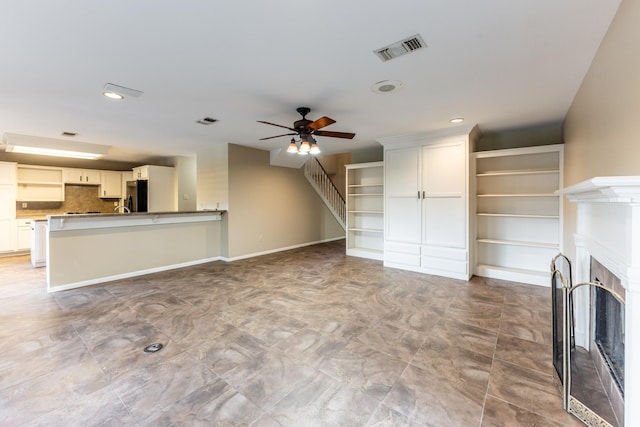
column 365, row 185
column 41, row 183
column 368, row 230
column 366, row 194
column 519, row 195
column 518, row 172
column 534, row 277
column 499, row 215
column 514, row 270
column 367, row 212
column 518, row 243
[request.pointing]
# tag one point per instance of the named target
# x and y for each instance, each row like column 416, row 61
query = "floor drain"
column 152, row 348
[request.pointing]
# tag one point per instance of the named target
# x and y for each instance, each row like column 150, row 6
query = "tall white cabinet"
column 427, row 206
column 518, row 213
column 8, row 230
column 365, row 210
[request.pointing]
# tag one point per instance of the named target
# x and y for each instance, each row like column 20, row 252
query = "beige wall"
column 272, row 207
column 186, row 183
column 92, row 255
column 602, row 127
column 212, row 171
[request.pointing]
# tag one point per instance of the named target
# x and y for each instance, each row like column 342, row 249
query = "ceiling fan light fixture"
column 293, row 148
column 314, row 148
column 305, row 147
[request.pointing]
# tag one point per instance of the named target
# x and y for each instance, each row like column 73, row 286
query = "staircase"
column 320, row 181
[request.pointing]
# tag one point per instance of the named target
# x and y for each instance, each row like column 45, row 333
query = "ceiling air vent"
column 206, row 121
column 400, row 48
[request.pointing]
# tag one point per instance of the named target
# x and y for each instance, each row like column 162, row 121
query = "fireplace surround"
column 608, row 231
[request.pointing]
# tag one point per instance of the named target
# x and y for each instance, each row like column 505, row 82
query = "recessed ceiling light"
column 112, row 95
column 387, row 86
column 457, row 120
column 119, row 92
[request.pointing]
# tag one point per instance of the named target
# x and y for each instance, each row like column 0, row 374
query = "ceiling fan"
column 306, row 130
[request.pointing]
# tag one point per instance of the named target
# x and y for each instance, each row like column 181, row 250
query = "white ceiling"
column 499, row 63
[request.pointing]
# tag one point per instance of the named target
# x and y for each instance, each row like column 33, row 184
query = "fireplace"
column 606, row 323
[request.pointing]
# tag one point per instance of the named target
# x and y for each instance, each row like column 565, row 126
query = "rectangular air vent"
column 400, row 48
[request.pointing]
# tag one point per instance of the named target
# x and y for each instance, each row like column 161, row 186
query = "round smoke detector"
column 387, row 86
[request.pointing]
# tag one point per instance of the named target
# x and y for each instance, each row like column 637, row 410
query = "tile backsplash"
column 77, row 198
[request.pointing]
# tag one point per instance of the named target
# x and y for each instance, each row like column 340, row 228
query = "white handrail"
column 322, row 183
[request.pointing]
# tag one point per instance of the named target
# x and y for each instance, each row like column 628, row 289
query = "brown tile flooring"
column 307, row 337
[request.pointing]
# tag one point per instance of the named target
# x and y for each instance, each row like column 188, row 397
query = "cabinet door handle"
column 423, row 194
column 418, row 194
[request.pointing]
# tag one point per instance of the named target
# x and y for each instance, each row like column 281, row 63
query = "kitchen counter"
column 85, row 249
column 108, row 220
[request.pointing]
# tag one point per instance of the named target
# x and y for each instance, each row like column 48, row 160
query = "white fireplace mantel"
column 608, row 229
column 608, row 189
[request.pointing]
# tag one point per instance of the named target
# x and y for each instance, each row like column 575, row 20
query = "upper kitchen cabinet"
column 427, row 206
column 110, row 185
column 7, row 206
column 39, row 184
column 141, row 172
column 82, row 176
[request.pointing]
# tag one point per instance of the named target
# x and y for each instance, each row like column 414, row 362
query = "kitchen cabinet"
column 365, row 210
column 39, row 184
column 39, row 243
column 518, row 213
column 110, row 185
column 7, row 206
column 141, row 172
column 24, row 234
column 82, row 176
column 427, row 207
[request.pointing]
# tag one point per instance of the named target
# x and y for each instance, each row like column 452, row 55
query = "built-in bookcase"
column 518, row 213
column 365, row 210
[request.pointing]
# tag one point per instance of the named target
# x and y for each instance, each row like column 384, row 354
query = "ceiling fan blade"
column 273, row 124
column 347, row 135
column 277, row 136
column 320, row 123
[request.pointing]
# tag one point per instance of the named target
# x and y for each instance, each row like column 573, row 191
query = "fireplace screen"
column 587, row 373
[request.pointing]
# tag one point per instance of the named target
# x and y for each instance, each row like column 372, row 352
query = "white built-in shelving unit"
column 365, row 210
column 518, row 213
column 40, row 184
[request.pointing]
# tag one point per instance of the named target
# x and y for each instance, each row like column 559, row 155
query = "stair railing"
column 327, row 190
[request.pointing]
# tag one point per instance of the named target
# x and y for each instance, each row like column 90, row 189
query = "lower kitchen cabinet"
column 24, row 234
column 39, row 243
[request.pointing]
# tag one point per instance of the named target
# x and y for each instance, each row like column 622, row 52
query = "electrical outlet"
column 185, row 196
column 24, row 205
column 115, row 203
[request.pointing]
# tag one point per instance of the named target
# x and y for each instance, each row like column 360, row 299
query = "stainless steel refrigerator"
column 138, row 195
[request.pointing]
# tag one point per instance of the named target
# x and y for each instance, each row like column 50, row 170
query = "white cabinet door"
column 402, row 203
column 444, row 195
column 141, row 172
column 73, row 176
column 82, row 176
column 24, row 234
column 92, row 176
column 111, row 185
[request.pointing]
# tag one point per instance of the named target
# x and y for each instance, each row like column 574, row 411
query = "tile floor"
column 307, row 337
